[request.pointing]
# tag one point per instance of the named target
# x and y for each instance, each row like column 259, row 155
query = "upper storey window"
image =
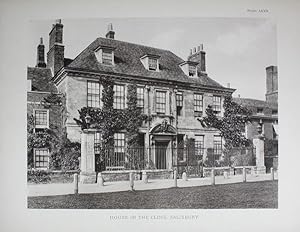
column 119, row 97
column 217, row 105
column 105, row 55
column 189, row 68
column 41, row 118
column 151, row 62
column 94, row 92
column 140, row 97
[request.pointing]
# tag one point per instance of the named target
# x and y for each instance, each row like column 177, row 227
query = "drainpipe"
column 149, row 142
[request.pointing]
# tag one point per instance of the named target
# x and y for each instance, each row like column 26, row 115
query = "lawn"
column 240, row 195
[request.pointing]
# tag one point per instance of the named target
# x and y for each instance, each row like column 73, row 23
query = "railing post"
column 100, row 180
column 225, row 174
column 244, row 174
column 131, row 181
column 145, row 177
column 184, row 176
column 175, row 178
column 75, row 183
column 213, row 181
column 272, row 174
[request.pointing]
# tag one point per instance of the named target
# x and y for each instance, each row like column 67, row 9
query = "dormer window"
column 105, row 55
column 192, row 70
column 189, row 68
column 150, row 62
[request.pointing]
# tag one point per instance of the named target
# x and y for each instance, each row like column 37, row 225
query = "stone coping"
column 137, row 171
column 220, row 168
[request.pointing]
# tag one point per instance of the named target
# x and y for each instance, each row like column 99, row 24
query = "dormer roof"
column 127, row 61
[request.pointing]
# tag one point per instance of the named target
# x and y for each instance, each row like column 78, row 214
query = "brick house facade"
column 265, row 112
column 173, row 91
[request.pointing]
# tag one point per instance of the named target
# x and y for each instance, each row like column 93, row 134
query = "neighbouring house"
column 173, row 91
column 265, row 114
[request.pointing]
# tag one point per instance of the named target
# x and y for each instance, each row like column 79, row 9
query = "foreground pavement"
column 119, row 186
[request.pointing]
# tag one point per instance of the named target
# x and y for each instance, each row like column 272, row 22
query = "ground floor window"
column 217, row 146
column 199, row 145
column 119, row 149
column 41, row 158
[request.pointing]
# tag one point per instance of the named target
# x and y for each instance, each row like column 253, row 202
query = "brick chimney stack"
column 110, row 32
column 272, row 84
column 55, row 55
column 41, row 55
column 198, row 55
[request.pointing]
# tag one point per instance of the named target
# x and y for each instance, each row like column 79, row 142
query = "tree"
column 231, row 125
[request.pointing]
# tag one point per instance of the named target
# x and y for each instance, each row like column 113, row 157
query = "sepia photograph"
column 152, row 113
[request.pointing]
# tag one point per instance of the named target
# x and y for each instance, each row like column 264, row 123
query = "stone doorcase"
column 163, row 141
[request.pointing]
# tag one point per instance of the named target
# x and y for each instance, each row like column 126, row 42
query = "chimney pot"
column 191, row 51
column 41, row 55
column 228, row 85
column 110, row 33
column 194, row 49
column 109, row 27
column 58, row 21
column 239, row 96
column 201, row 47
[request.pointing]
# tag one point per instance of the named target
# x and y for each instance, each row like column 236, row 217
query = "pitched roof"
column 127, row 61
column 40, row 78
column 255, row 103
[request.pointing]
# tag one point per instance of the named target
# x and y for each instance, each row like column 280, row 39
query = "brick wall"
column 55, row 116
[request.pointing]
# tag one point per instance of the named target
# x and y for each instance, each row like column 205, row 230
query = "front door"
column 161, row 154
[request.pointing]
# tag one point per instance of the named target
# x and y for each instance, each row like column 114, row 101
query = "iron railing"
column 188, row 159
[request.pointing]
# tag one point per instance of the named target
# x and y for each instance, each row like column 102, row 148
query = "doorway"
column 161, row 154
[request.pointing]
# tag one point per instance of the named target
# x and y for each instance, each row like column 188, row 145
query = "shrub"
column 38, row 176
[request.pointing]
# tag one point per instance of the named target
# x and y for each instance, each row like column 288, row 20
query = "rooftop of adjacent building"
column 255, row 103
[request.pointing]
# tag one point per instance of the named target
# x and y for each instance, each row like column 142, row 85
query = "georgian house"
column 175, row 92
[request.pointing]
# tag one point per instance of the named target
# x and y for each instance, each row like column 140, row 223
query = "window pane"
column 41, row 118
column 217, row 146
column 199, row 145
column 152, row 64
column 41, row 158
column 97, row 142
column 140, row 97
column 119, row 149
column 106, row 57
column 198, row 104
column 119, row 97
column 160, row 102
column 94, row 93
column 217, row 104
column 192, row 70
column 179, row 99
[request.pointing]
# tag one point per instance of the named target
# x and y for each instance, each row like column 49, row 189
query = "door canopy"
column 163, row 128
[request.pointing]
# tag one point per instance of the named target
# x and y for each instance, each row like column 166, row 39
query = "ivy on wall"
column 110, row 121
column 64, row 153
column 231, row 126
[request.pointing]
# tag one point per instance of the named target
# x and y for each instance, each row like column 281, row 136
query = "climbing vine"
column 231, row 126
column 110, row 121
column 64, row 153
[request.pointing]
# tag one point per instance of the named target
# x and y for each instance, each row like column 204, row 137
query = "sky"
column 237, row 49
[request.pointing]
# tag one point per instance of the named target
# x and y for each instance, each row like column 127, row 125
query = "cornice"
column 140, row 79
